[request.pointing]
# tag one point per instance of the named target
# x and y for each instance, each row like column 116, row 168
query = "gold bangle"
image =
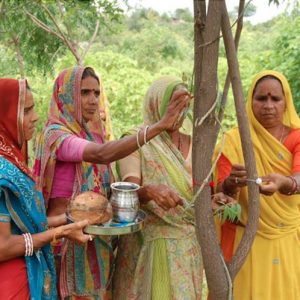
column 57, row 231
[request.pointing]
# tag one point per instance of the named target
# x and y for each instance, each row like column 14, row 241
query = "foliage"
column 138, row 48
column 19, row 34
column 38, row 50
column 230, row 212
column 285, row 54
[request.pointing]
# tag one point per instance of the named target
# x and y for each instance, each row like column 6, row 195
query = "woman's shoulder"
column 10, row 172
column 6, row 166
column 293, row 139
column 294, row 135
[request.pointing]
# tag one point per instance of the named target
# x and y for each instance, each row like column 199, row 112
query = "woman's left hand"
column 221, row 199
column 272, row 183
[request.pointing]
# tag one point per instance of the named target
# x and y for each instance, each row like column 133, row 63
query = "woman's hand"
column 235, row 180
column 165, row 197
column 179, row 101
column 238, row 176
column 74, row 232
column 272, row 183
column 220, row 199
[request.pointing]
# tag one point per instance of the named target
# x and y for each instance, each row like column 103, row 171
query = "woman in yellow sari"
column 272, row 268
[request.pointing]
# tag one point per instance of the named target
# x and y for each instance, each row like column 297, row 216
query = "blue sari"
column 23, row 207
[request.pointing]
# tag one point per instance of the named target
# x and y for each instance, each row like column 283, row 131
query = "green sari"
column 164, row 260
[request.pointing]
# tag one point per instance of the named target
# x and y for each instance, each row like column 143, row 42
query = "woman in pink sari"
column 72, row 157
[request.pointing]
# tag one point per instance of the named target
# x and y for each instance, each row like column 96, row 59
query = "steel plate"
column 113, row 228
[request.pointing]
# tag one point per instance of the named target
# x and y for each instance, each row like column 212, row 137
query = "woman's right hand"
column 164, row 197
column 236, row 179
column 74, row 232
column 180, row 100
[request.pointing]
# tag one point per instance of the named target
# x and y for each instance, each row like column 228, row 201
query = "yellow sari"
column 272, row 267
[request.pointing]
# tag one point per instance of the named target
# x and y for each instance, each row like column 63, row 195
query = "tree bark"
column 253, row 191
column 204, row 140
column 236, row 43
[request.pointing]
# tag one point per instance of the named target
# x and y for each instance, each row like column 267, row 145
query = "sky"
column 264, row 12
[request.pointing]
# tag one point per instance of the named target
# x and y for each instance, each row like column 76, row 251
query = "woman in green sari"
column 164, row 260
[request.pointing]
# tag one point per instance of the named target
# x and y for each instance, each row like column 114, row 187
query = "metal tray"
column 114, row 228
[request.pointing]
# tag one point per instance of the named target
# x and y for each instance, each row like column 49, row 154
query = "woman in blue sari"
column 27, row 268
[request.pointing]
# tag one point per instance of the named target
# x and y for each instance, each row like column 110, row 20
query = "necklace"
column 179, row 142
column 282, row 135
column 280, row 154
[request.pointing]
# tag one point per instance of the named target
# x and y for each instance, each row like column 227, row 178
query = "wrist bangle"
column 28, row 244
column 57, row 231
column 137, row 138
column 145, row 135
column 294, row 188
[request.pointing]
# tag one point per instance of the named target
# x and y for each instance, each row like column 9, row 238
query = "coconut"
column 91, row 206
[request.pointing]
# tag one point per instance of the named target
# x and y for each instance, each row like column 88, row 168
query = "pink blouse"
column 69, row 153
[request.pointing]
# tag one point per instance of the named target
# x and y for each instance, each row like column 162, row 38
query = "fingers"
column 167, row 198
column 180, row 93
column 220, row 199
column 238, row 167
column 268, row 189
column 76, row 225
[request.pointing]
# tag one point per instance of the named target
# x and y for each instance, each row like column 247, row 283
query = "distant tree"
column 183, row 14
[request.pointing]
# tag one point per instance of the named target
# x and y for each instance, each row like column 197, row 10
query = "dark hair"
column 89, row 72
column 267, row 77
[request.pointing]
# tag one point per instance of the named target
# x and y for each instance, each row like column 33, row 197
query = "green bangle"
column 69, row 219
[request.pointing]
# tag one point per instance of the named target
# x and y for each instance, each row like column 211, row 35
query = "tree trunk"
column 204, row 140
column 253, row 191
column 19, row 55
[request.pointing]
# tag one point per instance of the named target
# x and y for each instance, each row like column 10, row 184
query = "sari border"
column 20, row 116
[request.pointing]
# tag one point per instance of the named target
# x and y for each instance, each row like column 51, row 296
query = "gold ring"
column 236, row 180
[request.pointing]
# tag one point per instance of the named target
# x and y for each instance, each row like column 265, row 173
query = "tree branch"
column 238, row 31
column 20, row 58
column 253, row 191
column 65, row 39
column 240, row 15
column 61, row 9
column 91, row 41
column 207, row 26
column 43, row 25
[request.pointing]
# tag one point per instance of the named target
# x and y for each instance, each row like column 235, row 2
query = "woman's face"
column 30, row 116
column 268, row 103
column 90, row 92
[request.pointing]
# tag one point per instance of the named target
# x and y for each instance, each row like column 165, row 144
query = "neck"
column 173, row 134
column 277, row 131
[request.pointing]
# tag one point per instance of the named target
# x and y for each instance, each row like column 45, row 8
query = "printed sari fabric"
column 85, row 270
column 164, row 260
column 272, row 268
column 21, row 205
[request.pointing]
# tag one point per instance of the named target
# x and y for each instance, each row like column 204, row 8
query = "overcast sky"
column 264, row 12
